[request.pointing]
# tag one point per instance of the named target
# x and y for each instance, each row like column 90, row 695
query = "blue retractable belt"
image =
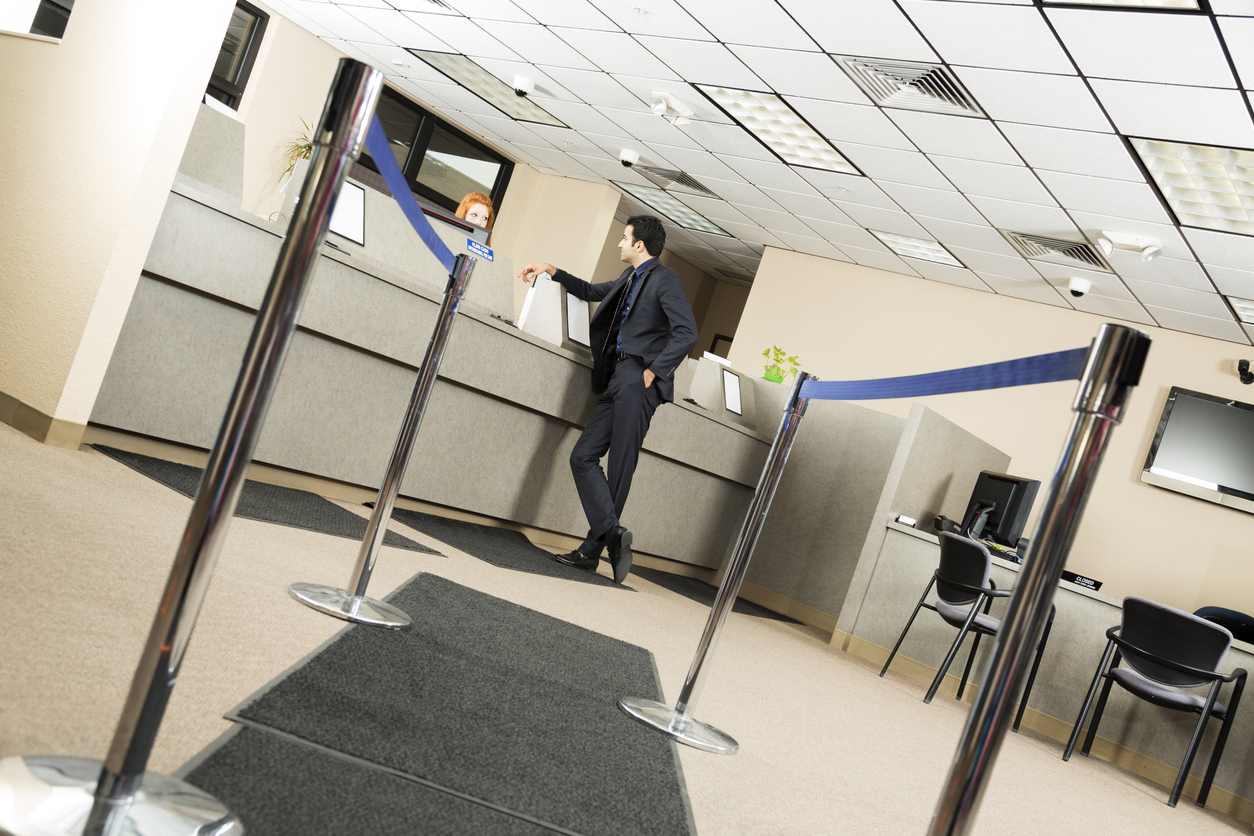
column 1043, row 368
column 377, row 145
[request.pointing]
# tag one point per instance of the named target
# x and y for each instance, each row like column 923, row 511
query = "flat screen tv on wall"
column 1204, row 447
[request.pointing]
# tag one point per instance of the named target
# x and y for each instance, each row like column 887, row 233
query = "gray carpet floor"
column 264, row 502
column 498, row 546
column 494, row 701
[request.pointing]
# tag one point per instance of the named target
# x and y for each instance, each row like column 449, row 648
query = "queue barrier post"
column 351, row 604
column 1112, row 369
column 83, row 797
column 678, row 722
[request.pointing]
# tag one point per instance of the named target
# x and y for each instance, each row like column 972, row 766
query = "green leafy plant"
column 298, row 149
column 779, row 364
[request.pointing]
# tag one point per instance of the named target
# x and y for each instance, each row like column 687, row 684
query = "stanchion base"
column 666, row 720
column 52, row 795
column 339, row 603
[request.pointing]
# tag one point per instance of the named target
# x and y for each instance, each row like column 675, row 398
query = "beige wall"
column 97, row 125
column 722, row 316
column 850, row 322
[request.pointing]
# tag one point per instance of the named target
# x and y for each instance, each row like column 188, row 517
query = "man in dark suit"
column 640, row 333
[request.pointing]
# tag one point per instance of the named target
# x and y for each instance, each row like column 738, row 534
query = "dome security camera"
column 628, row 157
column 523, row 86
column 1079, row 286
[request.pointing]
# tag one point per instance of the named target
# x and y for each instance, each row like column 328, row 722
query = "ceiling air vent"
column 676, row 181
column 909, row 85
column 1056, row 250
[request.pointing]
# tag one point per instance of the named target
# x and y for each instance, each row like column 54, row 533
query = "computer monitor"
column 999, row 508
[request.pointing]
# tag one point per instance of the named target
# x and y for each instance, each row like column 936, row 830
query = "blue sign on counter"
column 478, row 249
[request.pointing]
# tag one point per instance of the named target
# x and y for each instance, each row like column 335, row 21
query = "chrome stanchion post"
column 83, row 796
column 1112, row 369
column 351, row 604
column 679, row 722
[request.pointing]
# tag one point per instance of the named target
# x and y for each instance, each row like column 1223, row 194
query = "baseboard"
column 42, row 427
column 1163, row 774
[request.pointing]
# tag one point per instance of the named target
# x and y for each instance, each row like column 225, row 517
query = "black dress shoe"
column 577, row 559
column 620, row 552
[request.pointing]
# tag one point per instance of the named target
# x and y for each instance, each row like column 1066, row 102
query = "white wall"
column 849, row 322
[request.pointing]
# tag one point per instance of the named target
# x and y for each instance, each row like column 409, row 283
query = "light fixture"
column 1149, row 248
column 488, row 87
column 919, row 248
column 779, row 128
column 670, row 108
column 1149, row 4
column 1243, row 308
column 1205, row 185
column 668, row 205
column 909, row 85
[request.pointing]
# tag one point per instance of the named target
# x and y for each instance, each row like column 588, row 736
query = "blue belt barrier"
column 1043, row 368
column 377, row 145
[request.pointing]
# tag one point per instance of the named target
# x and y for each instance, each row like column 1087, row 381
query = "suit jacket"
column 659, row 327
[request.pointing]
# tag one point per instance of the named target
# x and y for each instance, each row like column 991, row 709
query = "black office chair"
column 963, row 587
column 1167, row 649
column 1240, row 625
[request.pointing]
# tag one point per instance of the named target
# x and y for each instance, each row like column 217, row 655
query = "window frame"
column 235, row 90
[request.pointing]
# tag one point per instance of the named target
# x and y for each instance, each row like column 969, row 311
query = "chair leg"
column 1088, row 701
column 953, row 650
column 1036, row 664
column 1220, row 741
column 902, row 637
column 1193, row 744
column 1097, row 716
column 966, row 671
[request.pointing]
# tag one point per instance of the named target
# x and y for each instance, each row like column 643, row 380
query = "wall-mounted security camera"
column 1079, row 286
column 628, row 157
column 1243, row 369
column 523, row 86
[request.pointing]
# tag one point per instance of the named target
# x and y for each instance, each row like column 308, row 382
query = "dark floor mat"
column 703, row 593
column 266, row 503
column 496, row 701
column 280, row 787
column 498, row 546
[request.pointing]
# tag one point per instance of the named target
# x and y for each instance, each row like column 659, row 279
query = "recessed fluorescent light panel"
column 908, row 85
column 1243, row 308
column 488, row 87
column 668, row 205
column 1148, row 4
column 779, row 127
column 917, row 248
column 1204, row 185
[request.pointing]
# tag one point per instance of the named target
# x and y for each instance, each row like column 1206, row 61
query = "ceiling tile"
column 955, row 136
column 844, row 122
column 884, row 220
column 1107, row 307
column 532, row 40
column 1031, row 291
column 1009, row 182
column 337, row 22
column 793, row 73
column 774, row 175
column 1167, row 48
column 867, row 28
column 558, row 161
column 776, row 221
column 457, row 97
column 649, row 154
column 1167, row 271
column 571, row 141
column 592, row 87
column 846, row 187
column 811, row 206
column 1062, row 101
column 749, row 22
column 1233, row 282
column 391, row 59
column 753, row 232
column 1006, row 266
column 1167, row 235
column 609, row 169
column 648, row 128
column 1118, row 198
column 700, row 62
column 1203, row 326
column 643, row 88
column 1025, row 217
column 582, row 117
column 845, row 234
column 479, row 9
column 812, row 246
column 615, row 52
column 716, row 210
column 503, row 128
column 1077, row 152
column 1196, row 302
column 1221, row 248
column 578, row 13
column 698, row 162
column 1104, row 284
column 879, row 260
column 969, row 236
column 547, row 87
column 661, row 17
column 464, row 36
column 895, row 166
column 1238, row 34
column 1232, row 7
column 728, row 139
column 1180, row 114
column 739, row 193
column 959, row 276
column 978, row 35
column 941, row 203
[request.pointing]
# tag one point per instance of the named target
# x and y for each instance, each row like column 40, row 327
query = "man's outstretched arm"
column 581, row 289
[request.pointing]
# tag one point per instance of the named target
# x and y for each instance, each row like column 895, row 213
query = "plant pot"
column 774, row 377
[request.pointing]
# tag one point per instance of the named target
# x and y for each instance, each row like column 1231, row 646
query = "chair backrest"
column 1240, row 625
column 962, row 561
column 1172, row 634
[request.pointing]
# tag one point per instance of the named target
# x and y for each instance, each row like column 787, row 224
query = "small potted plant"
column 779, row 364
column 298, row 149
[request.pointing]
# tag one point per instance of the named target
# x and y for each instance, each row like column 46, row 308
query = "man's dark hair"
column 648, row 229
